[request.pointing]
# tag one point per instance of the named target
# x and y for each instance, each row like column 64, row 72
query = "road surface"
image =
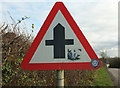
column 115, row 75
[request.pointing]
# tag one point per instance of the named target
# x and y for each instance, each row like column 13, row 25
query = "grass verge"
column 102, row 78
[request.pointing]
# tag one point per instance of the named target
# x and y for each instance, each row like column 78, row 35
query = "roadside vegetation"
column 114, row 62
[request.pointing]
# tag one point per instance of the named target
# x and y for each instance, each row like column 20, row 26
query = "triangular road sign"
column 60, row 44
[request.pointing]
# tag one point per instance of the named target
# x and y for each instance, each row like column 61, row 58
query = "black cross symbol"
column 59, row 41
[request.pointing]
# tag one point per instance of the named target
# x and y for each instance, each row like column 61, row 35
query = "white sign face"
column 60, row 44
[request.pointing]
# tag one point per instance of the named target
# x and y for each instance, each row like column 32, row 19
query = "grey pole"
column 60, row 78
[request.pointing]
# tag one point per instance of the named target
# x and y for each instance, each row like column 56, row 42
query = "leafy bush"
column 114, row 63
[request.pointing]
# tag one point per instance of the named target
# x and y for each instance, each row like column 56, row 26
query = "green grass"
column 102, row 78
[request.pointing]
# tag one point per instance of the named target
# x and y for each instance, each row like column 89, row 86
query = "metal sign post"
column 60, row 78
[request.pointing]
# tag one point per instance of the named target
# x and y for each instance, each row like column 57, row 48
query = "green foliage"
column 79, row 77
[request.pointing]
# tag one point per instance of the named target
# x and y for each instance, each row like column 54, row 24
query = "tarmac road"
column 115, row 75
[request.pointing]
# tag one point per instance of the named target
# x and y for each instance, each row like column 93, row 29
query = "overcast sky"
column 98, row 20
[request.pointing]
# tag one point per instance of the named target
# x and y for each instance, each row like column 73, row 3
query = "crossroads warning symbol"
column 60, row 44
column 59, row 41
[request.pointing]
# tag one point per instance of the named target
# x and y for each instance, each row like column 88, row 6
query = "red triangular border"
column 57, row 66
